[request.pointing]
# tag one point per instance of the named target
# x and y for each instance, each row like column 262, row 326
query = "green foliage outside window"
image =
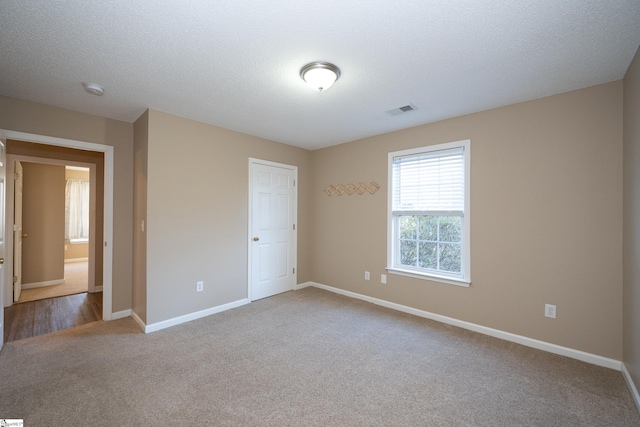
column 431, row 242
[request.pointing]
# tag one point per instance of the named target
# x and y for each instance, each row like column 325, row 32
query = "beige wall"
column 74, row 251
column 546, row 209
column 77, row 174
column 631, row 357
column 24, row 116
column 140, row 146
column 43, row 222
column 197, row 203
column 78, row 250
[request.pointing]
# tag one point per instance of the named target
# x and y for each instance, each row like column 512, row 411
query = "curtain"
column 77, row 209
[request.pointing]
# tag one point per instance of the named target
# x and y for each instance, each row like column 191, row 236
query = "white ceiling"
column 235, row 64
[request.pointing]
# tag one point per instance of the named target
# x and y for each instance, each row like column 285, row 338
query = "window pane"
column 428, row 255
column 408, row 254
column 450, row 228
column 429, row 228
column 450, row 257
column 408, row 227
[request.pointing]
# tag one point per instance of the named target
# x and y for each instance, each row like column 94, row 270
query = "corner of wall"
column 631, row 226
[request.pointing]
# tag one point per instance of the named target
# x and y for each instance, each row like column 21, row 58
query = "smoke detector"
column 93, row 88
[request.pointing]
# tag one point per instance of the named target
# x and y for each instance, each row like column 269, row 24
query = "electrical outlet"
column 550, row 311
column 200, row 286
column 367, row 275
column 383, row 279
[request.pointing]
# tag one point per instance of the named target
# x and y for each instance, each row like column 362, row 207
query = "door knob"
column 255, row 239
column 25, row 235
column 1, row 260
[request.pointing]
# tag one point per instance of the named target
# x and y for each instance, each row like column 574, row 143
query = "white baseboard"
column 631, row 385
column 120, row 314
column 98, row 289
column 138, row 320
column 70, row 260
column 42, row 284
column 519, row 339
column 302, row 286
column 193, row 316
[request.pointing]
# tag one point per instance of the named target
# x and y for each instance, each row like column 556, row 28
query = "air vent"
column 401, row 110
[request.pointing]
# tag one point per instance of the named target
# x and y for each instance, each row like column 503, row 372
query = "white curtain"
column 77, row 209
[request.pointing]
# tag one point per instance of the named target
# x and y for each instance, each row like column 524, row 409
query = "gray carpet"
column 307, row 357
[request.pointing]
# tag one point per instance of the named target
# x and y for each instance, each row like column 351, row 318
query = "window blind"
column 431, row 181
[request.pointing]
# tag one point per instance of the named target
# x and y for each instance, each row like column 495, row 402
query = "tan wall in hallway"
column 24, row 116
column 631, row 251
column 197, row 213
column 546, row 209
column 76, row 250
column 43, row 222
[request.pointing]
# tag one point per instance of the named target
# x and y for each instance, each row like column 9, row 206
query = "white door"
column 272, row 234
column 2, row 234
column 17, row 231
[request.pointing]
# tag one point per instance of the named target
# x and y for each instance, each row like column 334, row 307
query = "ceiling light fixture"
column 320, row 75
column 93, row 88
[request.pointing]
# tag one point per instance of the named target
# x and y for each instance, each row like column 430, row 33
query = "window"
column 77, row 210
column 428, row 225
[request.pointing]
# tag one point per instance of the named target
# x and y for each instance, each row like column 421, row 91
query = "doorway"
column 54, row 217
column 54, row 294
column 103, row 247
column 54, row 214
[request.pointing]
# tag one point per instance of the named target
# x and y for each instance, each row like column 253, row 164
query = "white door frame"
column 252, row 162
column 18, row 181
column 12, row 158
column 3, row 234
column 107, row 257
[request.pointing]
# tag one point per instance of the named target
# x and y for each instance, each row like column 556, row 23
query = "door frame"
column 3, row 232
column 252, row 163
column 12, row 158
column 107, row 257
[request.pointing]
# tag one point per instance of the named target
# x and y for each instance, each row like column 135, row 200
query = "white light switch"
column 142, row 225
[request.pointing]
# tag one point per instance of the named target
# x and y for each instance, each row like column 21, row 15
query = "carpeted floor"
column 301, row 358
column 76, row 280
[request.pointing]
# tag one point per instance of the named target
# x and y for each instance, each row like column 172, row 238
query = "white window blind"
column 429, row 182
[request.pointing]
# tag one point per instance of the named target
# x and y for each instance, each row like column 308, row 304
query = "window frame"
column 464, row 279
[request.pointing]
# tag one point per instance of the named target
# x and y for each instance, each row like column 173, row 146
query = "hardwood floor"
column 33, row 318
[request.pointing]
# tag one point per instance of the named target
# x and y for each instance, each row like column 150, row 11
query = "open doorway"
column 58, row 259
column 54, row 216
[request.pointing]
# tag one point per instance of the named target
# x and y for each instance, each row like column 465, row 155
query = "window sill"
column 78, row 241
column 432, row 277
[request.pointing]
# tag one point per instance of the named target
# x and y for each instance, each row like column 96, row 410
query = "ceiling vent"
column 401, row 110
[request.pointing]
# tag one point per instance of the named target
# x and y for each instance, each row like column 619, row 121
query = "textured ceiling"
column 235, row 64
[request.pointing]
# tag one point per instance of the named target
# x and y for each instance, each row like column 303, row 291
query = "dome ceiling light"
column 320, row 75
